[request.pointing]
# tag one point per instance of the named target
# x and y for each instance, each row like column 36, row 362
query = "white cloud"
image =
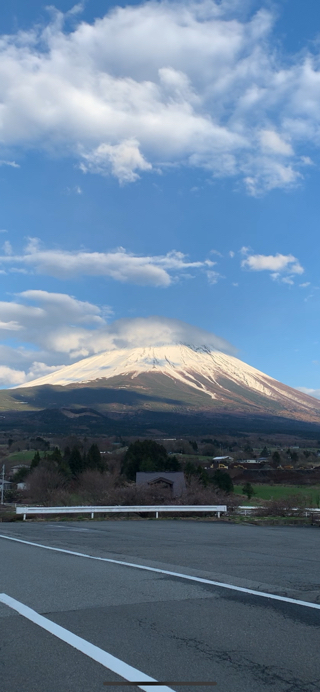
column 273, row 263
column 39, row 369
column 53, row 324
column 58, row 304
column 119, row 265
column 270, row 140
column 76, row 190
column 7, row 248
column 118, row 99
column 10, row 377
column 268, row 174
column 213, row 277
column 311, row 392
column 37, row 315
column 10, row 326
column 59, row 329
column 306, row 161
column 124, row 160
column 12, row 164
column 149, row 331
column 59, row 323
column 305, row 285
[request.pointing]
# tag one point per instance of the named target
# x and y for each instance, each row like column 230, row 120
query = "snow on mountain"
column 210, row 372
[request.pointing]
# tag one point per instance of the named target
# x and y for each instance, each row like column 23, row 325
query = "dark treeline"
column 72, row 462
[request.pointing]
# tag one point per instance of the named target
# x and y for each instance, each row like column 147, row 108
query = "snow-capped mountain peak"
column 217, row 376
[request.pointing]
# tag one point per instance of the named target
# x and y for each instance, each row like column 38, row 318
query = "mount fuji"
column 177, row 378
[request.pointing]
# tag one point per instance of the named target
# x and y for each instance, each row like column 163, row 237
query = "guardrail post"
column 157, row 515
column 92, row 515
column 24, row 517
column 218, row 515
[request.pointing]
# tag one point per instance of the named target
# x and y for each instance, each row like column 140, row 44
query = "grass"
column 26, row 455
column 279, row 492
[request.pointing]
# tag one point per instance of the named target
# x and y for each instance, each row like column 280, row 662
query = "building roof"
column 222, row 458
column 175, row 479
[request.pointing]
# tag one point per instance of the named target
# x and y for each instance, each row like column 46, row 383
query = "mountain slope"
column 176, row 377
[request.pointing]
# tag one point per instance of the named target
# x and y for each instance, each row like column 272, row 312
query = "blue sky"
column 160, row 159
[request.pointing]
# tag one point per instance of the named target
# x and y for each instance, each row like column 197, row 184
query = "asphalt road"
column 166, row 627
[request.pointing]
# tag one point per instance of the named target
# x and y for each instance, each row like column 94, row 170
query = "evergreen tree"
column 36, row 460
column 276, row 458
column 198, row 472
column 56, row 455
column 21, row 475
column 223, row 481
column 147, row 465
column 193, row 445
column 64, row 468
column 147, row 455
column 93, row 459
column 75, row 462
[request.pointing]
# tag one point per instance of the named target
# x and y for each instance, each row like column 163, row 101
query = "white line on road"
column 157, row 570
column 99, row 655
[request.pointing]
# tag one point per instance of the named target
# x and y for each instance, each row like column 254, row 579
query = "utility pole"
column 2, row 486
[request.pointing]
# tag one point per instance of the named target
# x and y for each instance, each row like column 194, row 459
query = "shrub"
column 248, row 490
column 285, row 507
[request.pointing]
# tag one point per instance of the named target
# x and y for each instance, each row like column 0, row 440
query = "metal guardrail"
column 246, row 509
column 138, row 509
column 27, row 511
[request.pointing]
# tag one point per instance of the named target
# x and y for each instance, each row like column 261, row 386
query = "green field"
column 278, row 492
column 25, row 456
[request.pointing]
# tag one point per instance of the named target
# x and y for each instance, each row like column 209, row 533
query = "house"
column 173, row 480
column 6, row 485
column 18, row 467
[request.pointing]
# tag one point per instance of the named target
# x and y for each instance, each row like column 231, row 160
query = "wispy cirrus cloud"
column 11, row 164
column 119, row 100
column 119, row 265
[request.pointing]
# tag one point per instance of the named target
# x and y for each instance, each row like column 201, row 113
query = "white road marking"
column 99, row 655
column 157, row 570
column 64, row 528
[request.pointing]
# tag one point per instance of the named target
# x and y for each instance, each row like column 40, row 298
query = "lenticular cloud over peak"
column 163, row 331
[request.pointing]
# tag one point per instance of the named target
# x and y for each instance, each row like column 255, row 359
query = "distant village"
column 28, row 464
